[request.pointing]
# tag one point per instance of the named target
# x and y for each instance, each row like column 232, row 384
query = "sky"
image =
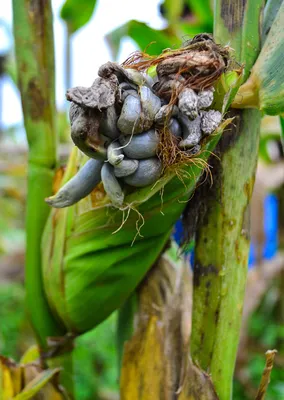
column 109, row 14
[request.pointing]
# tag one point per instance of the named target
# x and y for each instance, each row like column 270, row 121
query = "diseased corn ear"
column 89, row 249
column 79, row 186
column 265, row 87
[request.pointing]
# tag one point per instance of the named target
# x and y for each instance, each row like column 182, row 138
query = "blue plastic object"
column 177, row 232
column 270, row 226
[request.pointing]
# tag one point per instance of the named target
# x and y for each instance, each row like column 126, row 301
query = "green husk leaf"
column 94, row 255
column 227, row 87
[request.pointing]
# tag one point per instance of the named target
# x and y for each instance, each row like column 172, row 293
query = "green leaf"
column 173, row 10
column 77, row 13
column 265, row 87
column 189, row 30
column 151, row 40
column 269, row 69
column 34, row 386
column 202, row 9
column 31, row 355
column 264, row 142
column 270, row 11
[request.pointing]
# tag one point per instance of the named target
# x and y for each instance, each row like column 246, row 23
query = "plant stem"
column 222, row 246
column 68, row 58
column 222, row 240
column 65, row 362
column 33, row 29
column 265, row 379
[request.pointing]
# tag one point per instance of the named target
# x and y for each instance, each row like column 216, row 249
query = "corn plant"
column 89, row 259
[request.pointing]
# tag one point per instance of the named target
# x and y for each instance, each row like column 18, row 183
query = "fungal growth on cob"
column 148, row 127
column 135, row 127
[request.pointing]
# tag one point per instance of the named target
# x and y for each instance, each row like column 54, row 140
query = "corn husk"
column 94, row 255
column 265, row 87
column 156, row 363
column 28, row 380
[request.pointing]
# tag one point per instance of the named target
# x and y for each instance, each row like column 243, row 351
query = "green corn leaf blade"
column 263, row 148
column 37, row 384
column 187, row 31
column 173, row 10
column 265, row 87
column 203, row 11
column 76, row 13
column 237, row 24
column 92, row 261
column 31, row 355
column 270, row 11
column 151, row 40
column 268, row 71
column 154, row 41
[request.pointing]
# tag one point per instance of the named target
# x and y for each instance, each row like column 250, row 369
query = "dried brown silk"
column 198, row 65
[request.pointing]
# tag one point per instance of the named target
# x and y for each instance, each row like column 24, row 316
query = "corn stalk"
column 33, row 30
column 35, row 63
column 222, row 239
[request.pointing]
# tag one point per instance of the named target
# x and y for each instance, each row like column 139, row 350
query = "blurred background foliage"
column 96, row 372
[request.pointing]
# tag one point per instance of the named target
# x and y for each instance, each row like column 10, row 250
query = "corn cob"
column 95, row 255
